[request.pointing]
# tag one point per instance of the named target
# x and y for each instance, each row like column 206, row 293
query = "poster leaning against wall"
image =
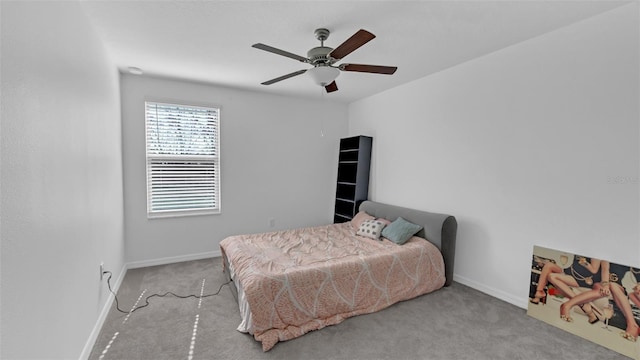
column 593, row 298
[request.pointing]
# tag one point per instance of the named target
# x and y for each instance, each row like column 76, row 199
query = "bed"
column 290, row 282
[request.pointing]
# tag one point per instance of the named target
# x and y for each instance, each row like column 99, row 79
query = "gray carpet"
column 453, row 323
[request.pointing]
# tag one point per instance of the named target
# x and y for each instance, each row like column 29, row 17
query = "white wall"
column 61, row 206
column 536, row 144
column 274, row 164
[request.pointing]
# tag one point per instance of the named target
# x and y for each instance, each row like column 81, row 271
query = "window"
column 183, row 160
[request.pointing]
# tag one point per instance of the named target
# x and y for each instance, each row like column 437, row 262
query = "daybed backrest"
column 440, row 229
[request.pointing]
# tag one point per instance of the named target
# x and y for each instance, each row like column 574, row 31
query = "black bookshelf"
column 353, row 176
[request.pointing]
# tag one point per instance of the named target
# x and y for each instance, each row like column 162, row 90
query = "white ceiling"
column 210, row 41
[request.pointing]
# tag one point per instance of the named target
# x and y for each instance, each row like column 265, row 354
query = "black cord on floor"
column 158, row 295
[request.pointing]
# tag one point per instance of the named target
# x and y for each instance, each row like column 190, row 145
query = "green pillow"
column 400, row 231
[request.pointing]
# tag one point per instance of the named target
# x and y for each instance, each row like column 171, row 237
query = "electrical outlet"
column 272, row 222
column 101, row 270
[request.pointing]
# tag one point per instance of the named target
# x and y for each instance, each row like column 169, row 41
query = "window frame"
column 158, row 214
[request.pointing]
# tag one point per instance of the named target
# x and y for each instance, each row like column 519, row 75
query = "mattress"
column 300, row 280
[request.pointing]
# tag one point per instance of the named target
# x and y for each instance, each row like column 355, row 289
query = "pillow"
column 359, row 219
column 384, row 221
column 400, row 231
column 371, row 229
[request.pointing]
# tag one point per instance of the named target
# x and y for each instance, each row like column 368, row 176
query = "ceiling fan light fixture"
column 323, row 75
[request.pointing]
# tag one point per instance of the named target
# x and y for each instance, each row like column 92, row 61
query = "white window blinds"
column 183, row 170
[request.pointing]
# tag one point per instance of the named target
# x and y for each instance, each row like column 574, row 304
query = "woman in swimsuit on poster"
column 614, row 273
column 600, row 289
column 584, row 272
column 624, row 294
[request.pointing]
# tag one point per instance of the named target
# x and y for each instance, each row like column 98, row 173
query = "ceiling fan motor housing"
column 319, row 55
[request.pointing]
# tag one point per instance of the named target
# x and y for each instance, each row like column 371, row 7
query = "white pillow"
column 371, row 229
column 359, row 219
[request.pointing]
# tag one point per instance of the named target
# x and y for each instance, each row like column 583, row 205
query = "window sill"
column 173, row 214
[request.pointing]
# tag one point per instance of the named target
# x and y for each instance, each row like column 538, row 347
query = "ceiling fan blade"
column 331, row 87
column 284, row 77
column 271, row 49
column 376, row 69
column 355, row 41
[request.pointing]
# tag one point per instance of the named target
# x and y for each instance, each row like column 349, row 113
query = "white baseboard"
column 86, row 351
column 173, row 259
column 499, row 294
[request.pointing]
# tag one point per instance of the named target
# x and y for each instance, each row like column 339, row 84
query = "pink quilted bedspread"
column 305, row 279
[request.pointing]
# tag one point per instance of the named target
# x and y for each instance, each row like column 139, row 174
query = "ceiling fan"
column 323, row 58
